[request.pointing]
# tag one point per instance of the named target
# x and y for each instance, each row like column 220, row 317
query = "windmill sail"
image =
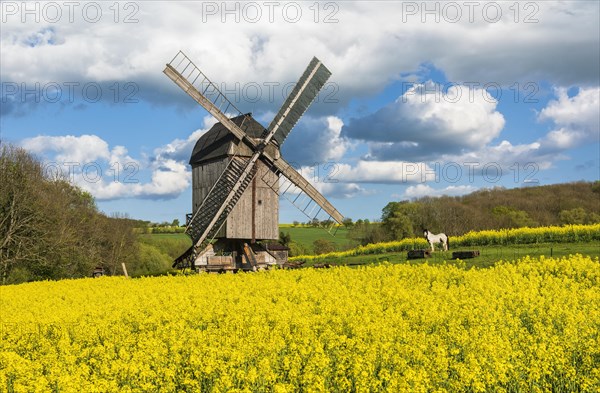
column 303, row 188
column 305, row 91
column 190, row 79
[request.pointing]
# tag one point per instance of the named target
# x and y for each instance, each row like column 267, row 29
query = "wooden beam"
column 124, row 269
column 206, row 104
column 254, row 210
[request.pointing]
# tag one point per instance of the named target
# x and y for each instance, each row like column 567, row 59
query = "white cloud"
column 167, row 181
column 341, row 190
column 383, row 172
column 181, row 149
column 581, row 110
column 69, row 148
column 426, row 122
column 423, row 190
column 577, row 119
column 364, row 60
column 110, row 174
column 316, row 141
column 324, row 179
column 505, row 155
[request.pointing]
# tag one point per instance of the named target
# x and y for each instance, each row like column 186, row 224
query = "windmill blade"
column 312, row 196
column 305, row 91
column 190, row 79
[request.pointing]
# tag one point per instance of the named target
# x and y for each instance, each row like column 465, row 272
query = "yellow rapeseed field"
column 526, row 326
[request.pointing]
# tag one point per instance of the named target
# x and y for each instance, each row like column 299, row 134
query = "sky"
column 425, row 98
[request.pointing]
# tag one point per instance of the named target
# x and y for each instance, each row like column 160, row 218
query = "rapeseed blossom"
column 529, row 325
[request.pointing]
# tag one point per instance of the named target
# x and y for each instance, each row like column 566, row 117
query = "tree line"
column 51, row 229
column 497, row 208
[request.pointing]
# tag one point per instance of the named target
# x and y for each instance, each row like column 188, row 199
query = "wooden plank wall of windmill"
column 239, row 222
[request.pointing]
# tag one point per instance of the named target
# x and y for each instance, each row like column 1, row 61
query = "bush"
column 322, row 246
column 151, row 261
column 167, row 229
column 172, row 246
column 573, row 216
column 297, row 249
column 19, row 275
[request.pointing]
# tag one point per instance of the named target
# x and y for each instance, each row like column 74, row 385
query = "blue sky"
column 422, row 102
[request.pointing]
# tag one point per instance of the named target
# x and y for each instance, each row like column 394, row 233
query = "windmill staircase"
column 199, row 226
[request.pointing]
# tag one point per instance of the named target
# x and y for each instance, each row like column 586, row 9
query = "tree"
column 402, row 219
column 50, row 229
column 20, row 193
column 363, row 232
column 512, row 218
column 175, row 223
column 119, row 244
column 347, row 222
column 577, row 215
column 326, row 223
column 375, row 233
column 297, row 249
column 284, row 238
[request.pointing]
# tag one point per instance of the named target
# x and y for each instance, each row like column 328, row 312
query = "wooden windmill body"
column 238, row 175
column 256, row 215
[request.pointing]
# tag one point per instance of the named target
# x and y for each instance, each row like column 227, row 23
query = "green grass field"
column 307, row 235
column 176, row 243
column 489, row 255
column 171, row 244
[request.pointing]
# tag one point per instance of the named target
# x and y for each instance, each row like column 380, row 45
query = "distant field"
column 510, row 244
column 177, row 236
column 176, row 243
column 489, row 256
column 172, row 245
column 307, row 235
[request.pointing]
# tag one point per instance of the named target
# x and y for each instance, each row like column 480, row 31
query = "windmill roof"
column 219, row 142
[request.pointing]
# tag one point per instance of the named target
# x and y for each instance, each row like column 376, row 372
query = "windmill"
column 238, row 174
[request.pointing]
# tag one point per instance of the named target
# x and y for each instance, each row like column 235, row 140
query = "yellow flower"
column 522, row 325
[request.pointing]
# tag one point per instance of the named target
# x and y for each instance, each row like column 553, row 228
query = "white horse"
column 439, row 238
